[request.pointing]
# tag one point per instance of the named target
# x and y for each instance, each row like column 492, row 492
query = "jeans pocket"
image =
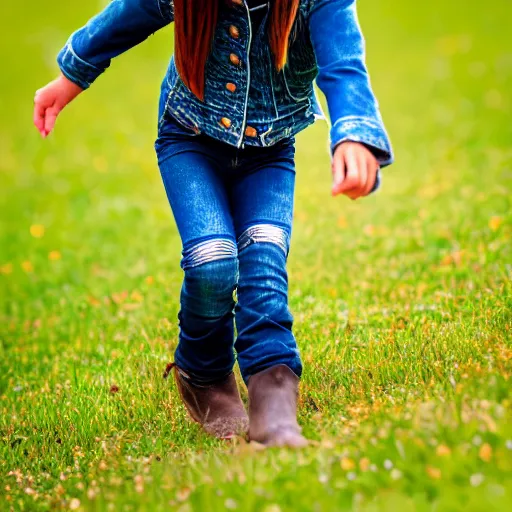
column 171, row 125
column 174, row 138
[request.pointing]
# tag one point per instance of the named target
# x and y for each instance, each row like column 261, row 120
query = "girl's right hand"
column 50, row 100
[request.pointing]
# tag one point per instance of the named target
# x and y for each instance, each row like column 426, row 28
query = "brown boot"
column 217, row 407
column 273, row 408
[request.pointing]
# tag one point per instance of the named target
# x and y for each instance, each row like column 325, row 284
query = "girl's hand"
column 354, row 170
column 50, row 100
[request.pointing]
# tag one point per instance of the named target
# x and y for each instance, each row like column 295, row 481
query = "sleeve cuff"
column 75, row 69
column 366, row 131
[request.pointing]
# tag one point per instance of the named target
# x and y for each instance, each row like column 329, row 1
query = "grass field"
column 402, row 301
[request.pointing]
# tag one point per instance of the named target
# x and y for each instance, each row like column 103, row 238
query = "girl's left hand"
column 354, row 170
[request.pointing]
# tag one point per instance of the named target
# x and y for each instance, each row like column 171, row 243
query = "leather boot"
column 273, row 408
column 217, row 407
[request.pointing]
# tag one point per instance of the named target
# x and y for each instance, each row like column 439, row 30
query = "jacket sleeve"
column 343, row 77
column 120, row 26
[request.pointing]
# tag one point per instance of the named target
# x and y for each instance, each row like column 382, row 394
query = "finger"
column 39, row 112
column 372, row 177
column 351, row 180
column 363, row 174
column 50, row 118
column 338, row 172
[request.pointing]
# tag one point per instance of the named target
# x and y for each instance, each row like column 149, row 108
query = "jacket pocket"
column 298, row 89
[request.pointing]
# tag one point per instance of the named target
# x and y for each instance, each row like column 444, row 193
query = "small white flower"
column 323, row 478
column 373, row 468
column 351, row 475
column 396, row 474
column 476, row 479
column 508, row 444
column 477, row 440
column 388, row 464
column 74, row 504
column 230, row 504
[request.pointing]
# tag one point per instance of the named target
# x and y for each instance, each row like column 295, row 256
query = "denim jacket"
column 247, row 101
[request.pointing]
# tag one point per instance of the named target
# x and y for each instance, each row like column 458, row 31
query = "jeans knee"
column 264, row 244
column 211, row 275
column 215, row 279
column 264, row 234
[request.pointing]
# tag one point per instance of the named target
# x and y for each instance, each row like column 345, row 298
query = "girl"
column 237, row 91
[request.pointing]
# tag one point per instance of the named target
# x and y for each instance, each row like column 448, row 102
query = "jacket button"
column 231, row 87
column 226, row 122
column 238, row 2
column 234, row 32
column 234, row 59
column 251, row 132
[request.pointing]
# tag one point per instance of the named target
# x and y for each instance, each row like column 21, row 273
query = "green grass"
column 402, row 301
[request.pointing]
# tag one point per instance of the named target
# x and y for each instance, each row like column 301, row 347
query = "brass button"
column 251, row 132
column 234, row 59
column 226, row 122
column 238, row 2
column 234, row 32
column 231, row 87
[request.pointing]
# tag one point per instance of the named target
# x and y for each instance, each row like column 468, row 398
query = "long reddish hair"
column 195, row 22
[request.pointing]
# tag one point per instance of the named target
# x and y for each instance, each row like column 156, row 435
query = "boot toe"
column 294, row 440
column 286, row 438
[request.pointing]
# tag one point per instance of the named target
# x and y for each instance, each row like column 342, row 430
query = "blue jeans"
column 233, row 208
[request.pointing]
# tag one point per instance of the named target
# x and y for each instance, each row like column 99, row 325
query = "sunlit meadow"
column 402, row 301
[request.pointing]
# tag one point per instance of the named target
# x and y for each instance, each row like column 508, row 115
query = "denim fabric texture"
column 233, row 208
column 327, row 46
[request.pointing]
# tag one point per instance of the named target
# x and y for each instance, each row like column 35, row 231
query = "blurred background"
column 402, row 299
